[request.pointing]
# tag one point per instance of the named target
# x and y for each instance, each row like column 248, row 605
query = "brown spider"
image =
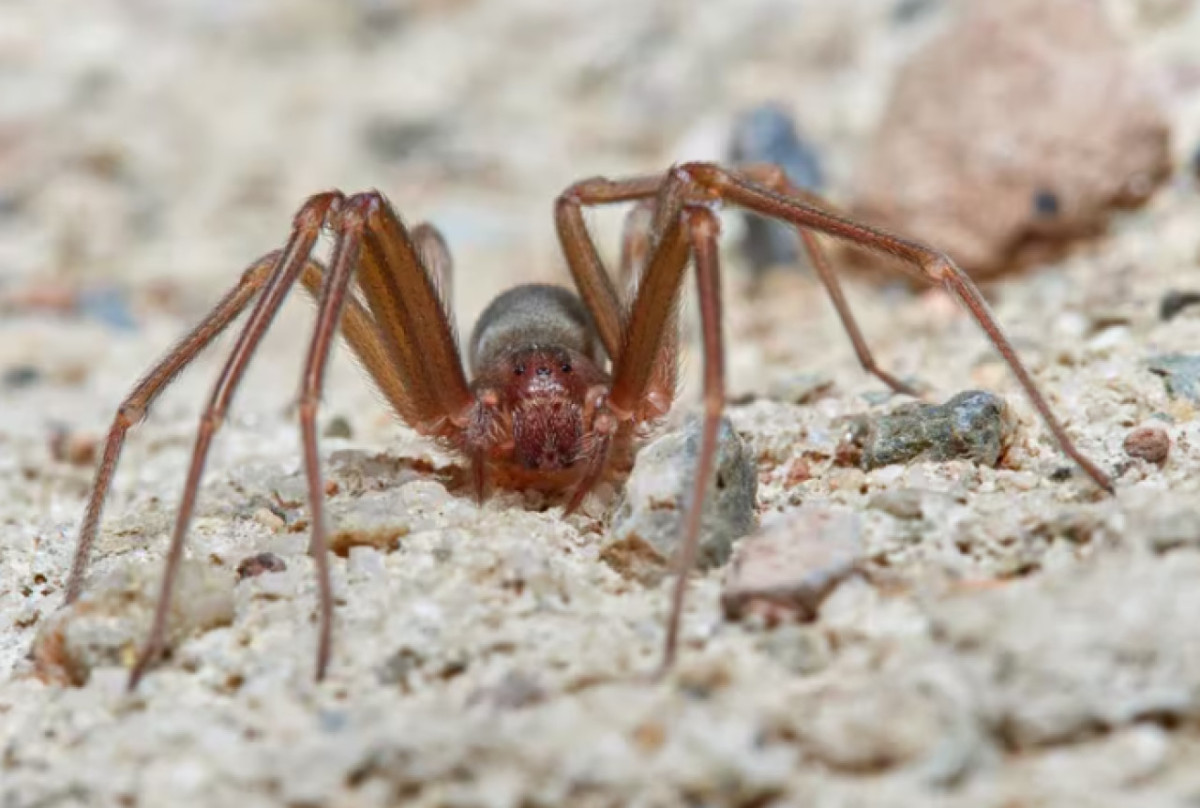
column 544, row 409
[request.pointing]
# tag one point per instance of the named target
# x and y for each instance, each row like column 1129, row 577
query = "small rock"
column 767, row 134
column 1174, row 302
column 256, row 565
column 108, row 624
column 1149, row 443
column 1181, row 374
column 338, row 427
column 514, row 691
column 785, row 571
column 974, row 425
column 902, row 503
column 75, row 448
column 990, row 144
column 269, row 519
column 648, row 524
column 20, row 377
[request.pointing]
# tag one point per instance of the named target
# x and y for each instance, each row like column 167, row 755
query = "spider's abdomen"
column 533, row 314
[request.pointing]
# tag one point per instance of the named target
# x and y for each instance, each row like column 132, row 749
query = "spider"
column 562, row 386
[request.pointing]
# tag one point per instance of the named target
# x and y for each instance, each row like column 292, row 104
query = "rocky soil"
column 956, row 633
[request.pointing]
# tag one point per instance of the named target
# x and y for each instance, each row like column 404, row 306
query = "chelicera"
column 561, row 386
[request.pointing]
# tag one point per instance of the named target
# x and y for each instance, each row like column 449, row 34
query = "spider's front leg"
column 412, row 350
column 789, row 204
column 683, row 225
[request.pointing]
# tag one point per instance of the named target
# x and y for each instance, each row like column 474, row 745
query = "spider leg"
column 412, row 321
column 289, row 264
column 594, row 283
column 636, row 242
column 435, row 256
column 396, row 282
column 774, row 177
column 681, row 226
column 833, row 286
column 135, row 406
column 362, row 335
column 935, row 266
column 350, row 226
column 704, row 229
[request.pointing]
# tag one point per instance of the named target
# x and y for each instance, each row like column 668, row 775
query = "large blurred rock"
column 1017, row 129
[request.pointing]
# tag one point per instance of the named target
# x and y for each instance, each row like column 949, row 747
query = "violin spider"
column 542, row 409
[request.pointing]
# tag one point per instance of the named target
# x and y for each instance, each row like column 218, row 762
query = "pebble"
column 20, row 377
column 1175, row 301
column 1149, row 443
column 648, row 523
column 785, row 571
column 338, row 427
column 1181, row 374
column 255, row 565
column 269, row 519
column 973, row 425
column 75, row 448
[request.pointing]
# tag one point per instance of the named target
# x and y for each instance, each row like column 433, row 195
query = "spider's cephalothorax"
column 561, row 384
column 540, row 388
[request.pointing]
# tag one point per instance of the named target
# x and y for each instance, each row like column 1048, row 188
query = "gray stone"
column 648, row 524
column 973, row 425
column 1181, row 374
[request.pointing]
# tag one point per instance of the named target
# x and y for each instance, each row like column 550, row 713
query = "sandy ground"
column 1016, row 638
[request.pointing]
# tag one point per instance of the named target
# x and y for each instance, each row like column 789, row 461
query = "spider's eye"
column 566, row 367
column 519, row 370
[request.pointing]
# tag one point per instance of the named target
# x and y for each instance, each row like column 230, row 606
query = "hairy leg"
column 402, row 295
column 593, row 281
column 435, row 255
column 712, row 181
column 289, row 264
column 704, row 229
column 135, row 406
column 329, row 308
